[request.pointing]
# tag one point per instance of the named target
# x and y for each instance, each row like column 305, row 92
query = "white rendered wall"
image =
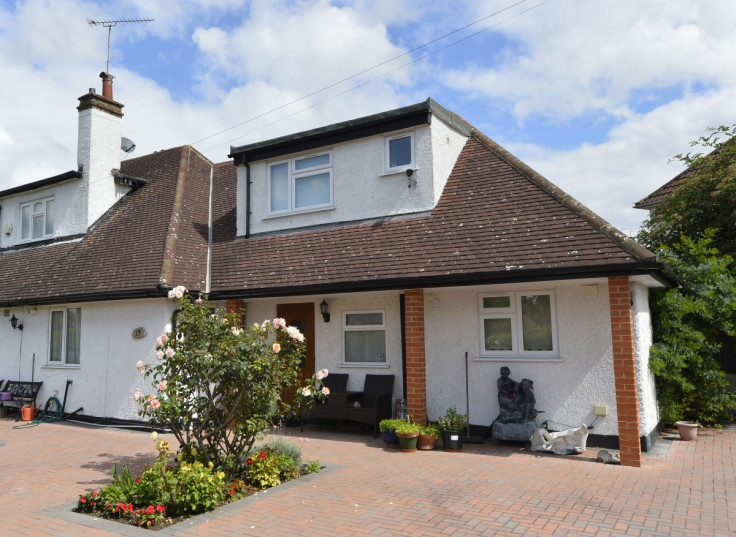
column 566, row 389
column 360, row 188
column 645, row 384
column 106, row 379
column 98, row 152
column 69, row 211
column 328, row 336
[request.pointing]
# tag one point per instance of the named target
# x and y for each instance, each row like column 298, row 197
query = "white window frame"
column 295, row 175
column 387, row 153
column 514, row 313
column 43, row 213
column 64, row 338
column 363, row 328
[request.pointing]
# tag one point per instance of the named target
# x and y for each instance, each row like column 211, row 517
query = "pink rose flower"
column 325, row 390
column 276, row 347
column 170, row 352
column 138, row 396
column 162, row 385
column 140, row 365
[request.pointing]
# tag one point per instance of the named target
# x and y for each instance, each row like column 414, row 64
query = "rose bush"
column 218, row 387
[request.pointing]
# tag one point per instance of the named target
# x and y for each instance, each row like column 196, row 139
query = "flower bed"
column 172, row 490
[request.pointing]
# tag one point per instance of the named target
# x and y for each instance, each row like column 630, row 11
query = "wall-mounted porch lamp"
column 324, row 312
column 412, row 180
column 16, row 323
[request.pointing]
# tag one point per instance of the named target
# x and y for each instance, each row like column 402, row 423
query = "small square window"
column 37, row 220
column 400, row 152
column 300, row 184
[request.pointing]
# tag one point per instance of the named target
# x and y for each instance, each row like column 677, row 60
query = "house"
column 404, row 243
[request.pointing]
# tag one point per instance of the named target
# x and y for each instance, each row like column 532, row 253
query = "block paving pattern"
column 681, row 489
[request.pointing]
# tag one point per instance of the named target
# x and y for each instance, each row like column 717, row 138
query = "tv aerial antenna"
column 109, row 23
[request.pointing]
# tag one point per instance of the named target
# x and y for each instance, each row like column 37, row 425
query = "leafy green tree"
column 218, row 387
column 705, row 198
column 688, row 323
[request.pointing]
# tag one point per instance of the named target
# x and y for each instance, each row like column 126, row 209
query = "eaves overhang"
column 49, row 181
column 653, row 270
column 346, row 131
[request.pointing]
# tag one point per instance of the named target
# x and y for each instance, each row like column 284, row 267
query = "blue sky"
column 595, row 95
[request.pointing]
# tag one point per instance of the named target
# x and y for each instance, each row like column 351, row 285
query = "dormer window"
column 399, row 151
column 37, row 220
column 300, row 184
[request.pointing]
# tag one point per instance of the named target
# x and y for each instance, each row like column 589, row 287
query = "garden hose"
column 51, row 412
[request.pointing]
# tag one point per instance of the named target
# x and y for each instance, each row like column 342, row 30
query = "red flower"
column 160, row 508
column 137, row 479
column 249, row 462
column 94, row 494
column 150, row 509
column 231, row 492
column 130, row 507
column 262, row 455
column 82, row 499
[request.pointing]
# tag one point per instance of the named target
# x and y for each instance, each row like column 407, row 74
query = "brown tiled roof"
column 497, row 220
column 665, row 191
column 132, row 251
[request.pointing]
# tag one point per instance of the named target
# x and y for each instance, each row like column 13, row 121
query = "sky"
column 596, row 96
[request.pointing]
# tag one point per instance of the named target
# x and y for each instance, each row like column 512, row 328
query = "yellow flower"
column 154, row 435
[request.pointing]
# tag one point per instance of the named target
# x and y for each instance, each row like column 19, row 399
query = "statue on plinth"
column 517, row 416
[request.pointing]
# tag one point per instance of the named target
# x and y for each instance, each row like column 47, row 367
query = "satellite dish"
column 127, row 145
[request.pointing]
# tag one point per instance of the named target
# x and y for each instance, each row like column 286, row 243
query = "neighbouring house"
column 403, row 243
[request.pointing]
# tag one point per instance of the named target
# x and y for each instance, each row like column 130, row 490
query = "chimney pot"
column 92, row 90
column 106, row 85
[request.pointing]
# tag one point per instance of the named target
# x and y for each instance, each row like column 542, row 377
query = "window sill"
column 294, row 213
column 517, row 358
column 367, row 365
column 401, row 171
column 61, row 366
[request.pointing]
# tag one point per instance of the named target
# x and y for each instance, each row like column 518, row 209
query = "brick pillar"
column 416, row 369
column 236, row 306
column 624, row 370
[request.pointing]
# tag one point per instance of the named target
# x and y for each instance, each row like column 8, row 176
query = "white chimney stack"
column 98, row 149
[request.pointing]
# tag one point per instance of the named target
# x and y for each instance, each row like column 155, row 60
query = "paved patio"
column 683, row 488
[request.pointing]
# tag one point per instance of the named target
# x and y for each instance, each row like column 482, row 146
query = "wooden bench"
column 24, row 393
column 374, row 402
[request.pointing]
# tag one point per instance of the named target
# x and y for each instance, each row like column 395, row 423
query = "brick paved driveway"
column 685, row 488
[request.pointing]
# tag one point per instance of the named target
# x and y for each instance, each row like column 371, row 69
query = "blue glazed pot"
column 391, row 439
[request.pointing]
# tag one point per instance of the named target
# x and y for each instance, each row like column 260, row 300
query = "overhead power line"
column 332, row 85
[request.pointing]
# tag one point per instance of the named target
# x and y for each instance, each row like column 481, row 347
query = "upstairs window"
column 399, row 151
column 364, row 337
column 37, row 220
column 518, row 324
column 65, row 338
column 300, row 184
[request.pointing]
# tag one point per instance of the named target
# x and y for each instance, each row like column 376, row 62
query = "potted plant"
column 452, row 425
column 688, row 430
column 407, row 432
column 388, row 431
column 428, row 437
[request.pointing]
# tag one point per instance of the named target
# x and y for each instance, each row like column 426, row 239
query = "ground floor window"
column 518, row 324
column 66, row 329
column 364, row 337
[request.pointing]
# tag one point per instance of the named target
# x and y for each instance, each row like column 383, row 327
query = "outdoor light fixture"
column 412, row 181
column 16, row 323
column 323, row 311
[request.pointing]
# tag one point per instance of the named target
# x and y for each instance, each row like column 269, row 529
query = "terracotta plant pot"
column 688, row 430
column 426, row 442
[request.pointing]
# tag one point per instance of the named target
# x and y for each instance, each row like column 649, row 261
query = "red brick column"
column 236, row 306
column 416, row 369
column 624, row 369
